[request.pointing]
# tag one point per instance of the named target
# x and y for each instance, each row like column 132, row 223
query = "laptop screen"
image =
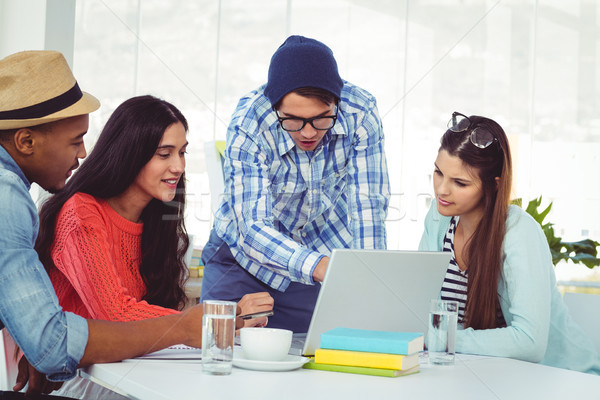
column 375, row 289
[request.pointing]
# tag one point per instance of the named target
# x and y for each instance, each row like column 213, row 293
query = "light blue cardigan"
column 539, row 327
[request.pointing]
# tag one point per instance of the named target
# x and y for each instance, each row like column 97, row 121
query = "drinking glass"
column 218, row 332
column 441, row 334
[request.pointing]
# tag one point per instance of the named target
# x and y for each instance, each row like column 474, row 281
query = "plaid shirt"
column 284, row 209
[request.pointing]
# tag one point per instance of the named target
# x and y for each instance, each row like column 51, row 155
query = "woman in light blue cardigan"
column 512, row 307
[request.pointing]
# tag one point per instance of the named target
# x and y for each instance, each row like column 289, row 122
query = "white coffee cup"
column 265, row 344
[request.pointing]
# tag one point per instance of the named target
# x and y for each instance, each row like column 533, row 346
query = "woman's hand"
column 256, row 302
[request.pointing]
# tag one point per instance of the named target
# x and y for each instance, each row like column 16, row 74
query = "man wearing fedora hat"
column 43, row 118
column 305, row 173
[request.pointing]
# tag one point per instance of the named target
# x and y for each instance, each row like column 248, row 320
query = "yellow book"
column 366, row 359
column 220, row 145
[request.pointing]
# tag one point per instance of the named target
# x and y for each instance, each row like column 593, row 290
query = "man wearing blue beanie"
column 305, row 173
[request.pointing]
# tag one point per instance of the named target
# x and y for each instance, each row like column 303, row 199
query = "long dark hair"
column 128, row 141
column 484, row 254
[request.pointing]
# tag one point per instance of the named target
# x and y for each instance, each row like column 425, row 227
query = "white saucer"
column 289, row 363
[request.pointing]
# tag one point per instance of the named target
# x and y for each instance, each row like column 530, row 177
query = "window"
column 533, row 66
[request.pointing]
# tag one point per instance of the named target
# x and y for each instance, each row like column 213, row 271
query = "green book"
column 361, row 370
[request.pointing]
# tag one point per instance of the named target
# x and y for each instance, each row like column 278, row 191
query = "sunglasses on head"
column 479, row 136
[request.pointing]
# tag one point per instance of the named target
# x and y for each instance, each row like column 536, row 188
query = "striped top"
column 454, row 286
column 455, row 282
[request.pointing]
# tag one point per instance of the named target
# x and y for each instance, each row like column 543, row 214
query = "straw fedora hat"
column 37, row 87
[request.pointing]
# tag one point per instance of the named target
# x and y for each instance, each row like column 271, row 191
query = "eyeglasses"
column 293, row 124
column 479, row 136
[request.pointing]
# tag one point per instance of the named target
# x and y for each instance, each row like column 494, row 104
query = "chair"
column 585, row 311
column 214, row 167
column 8, row 363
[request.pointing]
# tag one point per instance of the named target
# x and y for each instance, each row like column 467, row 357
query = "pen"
column 257, row 314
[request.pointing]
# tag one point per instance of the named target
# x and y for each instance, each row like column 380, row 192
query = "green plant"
column 583, row 251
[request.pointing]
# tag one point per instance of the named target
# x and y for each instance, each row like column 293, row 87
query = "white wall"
column 22, row 25
column 37, row 25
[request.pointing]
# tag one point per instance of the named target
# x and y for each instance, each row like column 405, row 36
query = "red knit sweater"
column 97, row 254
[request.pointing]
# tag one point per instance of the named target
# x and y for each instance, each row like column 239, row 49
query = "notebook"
column 374, row 289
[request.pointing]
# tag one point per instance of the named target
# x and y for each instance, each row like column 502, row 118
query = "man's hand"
column 319, row 271
column 37, row 381
column 256, row 302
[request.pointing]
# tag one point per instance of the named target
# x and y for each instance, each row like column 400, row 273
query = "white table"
column 471, row 377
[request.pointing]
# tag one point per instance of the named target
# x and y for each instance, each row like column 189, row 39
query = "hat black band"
column 45, row 108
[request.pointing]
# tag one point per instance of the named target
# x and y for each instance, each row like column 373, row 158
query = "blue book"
column 372, row 341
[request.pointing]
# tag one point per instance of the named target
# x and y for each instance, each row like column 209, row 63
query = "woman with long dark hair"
column 501, row 270
column 105, row 221
column 113, row 240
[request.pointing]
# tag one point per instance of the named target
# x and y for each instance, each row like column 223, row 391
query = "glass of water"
column 441, row 333
column 218, row 331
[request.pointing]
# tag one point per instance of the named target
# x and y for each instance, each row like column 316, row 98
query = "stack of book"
column 368, row 352
column 196, row 268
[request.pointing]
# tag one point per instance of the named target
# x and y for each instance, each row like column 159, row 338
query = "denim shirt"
column 53, row 341
column 283, row 208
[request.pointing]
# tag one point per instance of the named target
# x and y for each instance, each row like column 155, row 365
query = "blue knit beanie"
column 302, row 62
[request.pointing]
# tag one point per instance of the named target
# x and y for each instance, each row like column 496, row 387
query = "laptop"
column 385, row 290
